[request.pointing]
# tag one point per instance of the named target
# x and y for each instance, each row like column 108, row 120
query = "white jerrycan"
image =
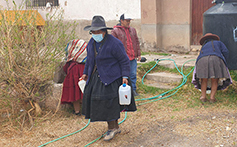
column 124, row 94
column 82, row 84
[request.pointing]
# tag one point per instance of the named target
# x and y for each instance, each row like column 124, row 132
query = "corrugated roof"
column 22, row 17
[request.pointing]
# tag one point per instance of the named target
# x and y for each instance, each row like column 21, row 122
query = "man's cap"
column 125, row 16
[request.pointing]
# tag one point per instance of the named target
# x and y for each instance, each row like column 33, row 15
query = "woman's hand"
column 84, row 77
column 125, row 81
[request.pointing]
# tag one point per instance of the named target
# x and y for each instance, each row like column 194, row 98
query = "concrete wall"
column 170, row 21
column 82, row 11
column 151, row 20
column 160, row 24
column 176, row 24
column 86, row 9
column 10, row 4
column 85, row 34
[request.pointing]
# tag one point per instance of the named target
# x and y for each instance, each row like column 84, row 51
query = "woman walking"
column 107, row 67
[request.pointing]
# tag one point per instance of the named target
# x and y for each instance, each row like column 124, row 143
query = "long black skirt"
column 101, row 102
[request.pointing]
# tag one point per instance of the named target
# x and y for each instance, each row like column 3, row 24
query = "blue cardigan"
column 220, row 50
column 112, row 61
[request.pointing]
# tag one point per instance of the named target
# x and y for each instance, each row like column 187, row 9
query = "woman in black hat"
column 107, row 67
column 211, row 66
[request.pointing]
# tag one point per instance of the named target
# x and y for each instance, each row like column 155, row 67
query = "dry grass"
column 24, row 85
column 191, row 122
column 180, row 120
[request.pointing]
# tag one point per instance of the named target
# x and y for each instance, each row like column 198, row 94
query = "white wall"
column 5, row 5
column 86, row 9
column 109, row 9
column 82, row 11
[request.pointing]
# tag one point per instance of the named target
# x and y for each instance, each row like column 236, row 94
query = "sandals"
column 203, row 99
column 212, row 100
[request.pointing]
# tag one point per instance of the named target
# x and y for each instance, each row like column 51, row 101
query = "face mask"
column 97, row 37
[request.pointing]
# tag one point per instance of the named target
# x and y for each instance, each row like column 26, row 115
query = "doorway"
column 198, row 8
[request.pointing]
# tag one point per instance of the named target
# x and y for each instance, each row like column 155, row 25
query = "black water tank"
column 221, row 19
column 225, row 1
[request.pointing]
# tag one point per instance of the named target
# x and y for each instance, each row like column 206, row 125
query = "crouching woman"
column 211, row 72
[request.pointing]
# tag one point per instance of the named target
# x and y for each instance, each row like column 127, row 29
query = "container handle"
column 234, row 4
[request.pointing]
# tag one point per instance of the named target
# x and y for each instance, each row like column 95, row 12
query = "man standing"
column 128, row 36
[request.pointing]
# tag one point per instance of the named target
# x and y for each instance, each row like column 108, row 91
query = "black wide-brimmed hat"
column 98, row 23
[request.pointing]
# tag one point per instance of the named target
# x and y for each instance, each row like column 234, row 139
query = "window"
column 41, row 3
column 235, row 34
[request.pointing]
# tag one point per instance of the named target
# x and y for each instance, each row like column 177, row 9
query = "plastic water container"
column 124, row 94
column 82, row 84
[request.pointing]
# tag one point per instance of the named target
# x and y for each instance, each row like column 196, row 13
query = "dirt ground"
column 152, row 125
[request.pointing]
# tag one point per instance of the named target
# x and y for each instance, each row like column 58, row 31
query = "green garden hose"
column 105, row 133
column 152, row 99
column 66, row 135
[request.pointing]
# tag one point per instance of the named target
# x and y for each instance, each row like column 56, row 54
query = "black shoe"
column 79, row 113
column 135, row 93
column 143, row 59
